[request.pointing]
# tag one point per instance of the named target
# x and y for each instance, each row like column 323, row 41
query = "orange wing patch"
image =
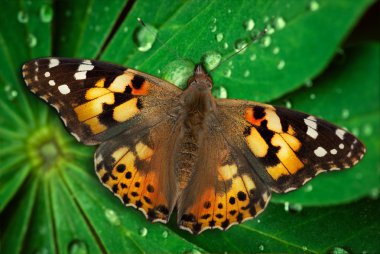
column 270, row 141
column 235, row 199
column 133, row 183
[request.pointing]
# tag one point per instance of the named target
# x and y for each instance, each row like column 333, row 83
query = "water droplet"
column 308, row 83
column 145, row 36
column 304, row 248
column 225, row 45
column 258, row 221
column 219, row 92
column 246, row 73
column 309, row 188
column 286, row 206
column 337, row 250
column 143, row 231
column 219, row 37
column 261, row 247
column 312, row 96
column 288, row 104
column 295, row 207
column 125, row 29
column 31, row 41
column 227, row 73
column 266, row 41
column 367, row 130
column 211, row 59
column 252, row 57
column 276, row 50
column 229, row 11
column 266, row 19
column 112, row 217
column 193, row 251
column 249, row 25
column 46, row 13
column 77, row 247
column 313, row 5
column 279, row 23
column 22, row 17
column 240, row 45
column 374, row 193
column 165, row 234
column 355, row 131
column 11, row 94
column 281, row 65
column 178, row 72
column 269, row 29
column 213, row 28
column 345, row 113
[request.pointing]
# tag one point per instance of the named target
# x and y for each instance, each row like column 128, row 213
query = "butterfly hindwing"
column 287, row 147
column 96, row 100
column 223, row 191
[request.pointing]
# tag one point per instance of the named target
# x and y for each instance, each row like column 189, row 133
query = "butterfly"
column 216, row 161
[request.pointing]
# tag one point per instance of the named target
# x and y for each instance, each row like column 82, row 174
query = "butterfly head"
column 200, row 79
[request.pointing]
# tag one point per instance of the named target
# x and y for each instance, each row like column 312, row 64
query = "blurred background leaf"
column 50, row 198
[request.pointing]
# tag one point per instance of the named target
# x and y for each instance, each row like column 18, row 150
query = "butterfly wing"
column 98, row 100
column 285, row 147
column 223, row 189
column 136, row 167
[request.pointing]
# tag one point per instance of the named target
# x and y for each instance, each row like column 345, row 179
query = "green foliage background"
column 50, row 198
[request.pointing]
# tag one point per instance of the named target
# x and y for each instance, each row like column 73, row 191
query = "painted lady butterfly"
column 216, row 160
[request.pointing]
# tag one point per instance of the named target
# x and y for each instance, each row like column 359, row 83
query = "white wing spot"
column 341, row 146
column 333, row 151
column 35, row 78
column 320, row 152
column 85, row 67
column 340, row 133
column 64, row 89
column 80, row 75
column 311, row 127
column 51, row 82
column 47, row 74
column 349, row 154
column 53, row 62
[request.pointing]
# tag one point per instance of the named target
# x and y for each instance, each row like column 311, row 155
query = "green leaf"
column 50, row 198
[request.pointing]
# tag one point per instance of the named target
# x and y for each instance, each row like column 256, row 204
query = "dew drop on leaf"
column 219, row 37
column 112, row 217
column 219, row 92
column 252, row 57
column 246, row 73
column 77, row 247
column 304, row 248
column 125, row 29
column 225, row 45
column 281, row 65
column 178, row 72
column 279, row 23
column 309, row 188
column 22, row 17
column 266, row 41
column 213, row 28
column 193, row 251
column 46, row 13
column 288, row 104
column 312, row 96
column 145, row 36
column 345, row 113
column 338, row 250
column 31, row 40
column 165, row 234
column 308, row 83
column 286, row 206
column 269, row 29
column 355, row 131
column 276, row 50
column 42, row 251
column 211, row 59
column 313, row 5
column 143, row 231
column 227, row 73
column 367, row 130
column 240, row 45
column 11, row 94
column 261, row 247
column 249, row 25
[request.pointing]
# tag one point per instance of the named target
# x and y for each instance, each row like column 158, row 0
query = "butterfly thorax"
column 197, row 106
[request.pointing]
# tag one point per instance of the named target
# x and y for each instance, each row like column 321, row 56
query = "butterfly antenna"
column 157, row 37
column 254, row 39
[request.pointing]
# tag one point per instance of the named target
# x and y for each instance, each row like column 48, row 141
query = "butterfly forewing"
column 287, row 147
column 95, row 100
